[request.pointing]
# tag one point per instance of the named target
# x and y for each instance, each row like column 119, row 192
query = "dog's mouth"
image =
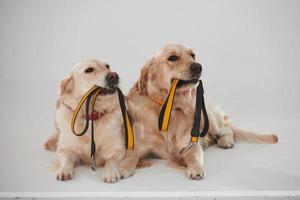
column 108, row 90
column 182, row 83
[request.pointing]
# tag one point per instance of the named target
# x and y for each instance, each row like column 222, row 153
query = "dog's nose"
column 195, row 69
column 112, row 78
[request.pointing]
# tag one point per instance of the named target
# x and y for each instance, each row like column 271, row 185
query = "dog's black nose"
column 195, row 69
column 112, row 78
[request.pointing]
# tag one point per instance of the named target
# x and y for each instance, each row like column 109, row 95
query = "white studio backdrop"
column 250, row 52
column 244, row 46
column 247, row 39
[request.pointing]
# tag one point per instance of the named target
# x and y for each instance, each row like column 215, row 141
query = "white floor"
column 247, row 170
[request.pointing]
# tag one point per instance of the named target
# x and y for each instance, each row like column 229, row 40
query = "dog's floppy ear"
column 66, row 86
column 67, row 92
column 142, row 83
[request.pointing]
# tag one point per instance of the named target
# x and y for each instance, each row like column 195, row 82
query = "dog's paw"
column 111, row 174
column 195, row 172
column 226, row 142
column 126, row 171
column 65, row 173
column 143, row 163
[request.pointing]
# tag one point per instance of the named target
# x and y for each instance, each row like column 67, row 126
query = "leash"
column 165, row 114
column 90, row 98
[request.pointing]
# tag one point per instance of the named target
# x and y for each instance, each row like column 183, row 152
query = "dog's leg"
column 225, row 138
column 129, row 163
column 219, row 127
column 67, row 160
column 219, row 130
column 51, row 143
column 111, row 173
column 193, row 159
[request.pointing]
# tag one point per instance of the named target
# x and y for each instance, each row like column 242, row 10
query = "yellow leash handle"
column 91, row 95
column 129, row 135
column 165, row 113
column 83, row 99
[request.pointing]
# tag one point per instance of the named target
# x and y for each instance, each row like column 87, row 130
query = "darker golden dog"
column 145, row 101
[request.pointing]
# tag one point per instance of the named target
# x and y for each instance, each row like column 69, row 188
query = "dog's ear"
column 66, row 86
column 67, row 93
column 142, row 83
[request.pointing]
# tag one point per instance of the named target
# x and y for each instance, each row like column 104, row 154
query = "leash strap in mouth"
column 89, row 96
column 165, row 113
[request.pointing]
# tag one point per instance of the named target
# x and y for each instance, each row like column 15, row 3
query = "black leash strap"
column 93, row 95
column 200, row 106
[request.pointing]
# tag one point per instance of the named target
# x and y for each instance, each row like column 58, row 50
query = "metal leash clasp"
column 184, row 149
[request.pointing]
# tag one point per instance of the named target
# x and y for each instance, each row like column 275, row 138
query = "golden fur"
column 109, row 136
column 144, row 102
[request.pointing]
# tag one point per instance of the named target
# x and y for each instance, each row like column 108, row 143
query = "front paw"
column 65, row 173
column 226, row 142
column 195, row 172
column 111, row 174
column 126, row 170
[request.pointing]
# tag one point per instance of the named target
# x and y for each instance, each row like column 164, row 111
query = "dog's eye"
column 107, row 66
column 173, row 58
column 193, row 56
column 89, row 70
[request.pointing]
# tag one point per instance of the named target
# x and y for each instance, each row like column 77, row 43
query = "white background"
column 249, row 51
column 249, row 39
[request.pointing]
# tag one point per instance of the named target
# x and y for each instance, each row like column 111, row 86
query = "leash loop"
column 86, row 97
column 200, row 106
column 165, row 114
column 90, row 98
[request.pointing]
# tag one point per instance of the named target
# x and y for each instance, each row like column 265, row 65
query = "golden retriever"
column 145, row 101
column 109, row 135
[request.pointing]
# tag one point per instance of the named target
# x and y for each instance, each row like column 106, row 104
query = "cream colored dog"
column 145, row 101
column 109, row 135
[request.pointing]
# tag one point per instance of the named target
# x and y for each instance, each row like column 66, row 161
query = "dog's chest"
column 107, row 130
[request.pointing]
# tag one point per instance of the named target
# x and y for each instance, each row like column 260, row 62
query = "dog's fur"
column 109, row 135
column 144, row 101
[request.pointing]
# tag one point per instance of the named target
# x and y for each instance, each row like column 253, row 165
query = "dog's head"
column 171, row 62
column 84, row 76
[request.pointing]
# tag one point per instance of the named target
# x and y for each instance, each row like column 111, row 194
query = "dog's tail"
column 251, row 137
column 241, row 135
column 51, row 143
